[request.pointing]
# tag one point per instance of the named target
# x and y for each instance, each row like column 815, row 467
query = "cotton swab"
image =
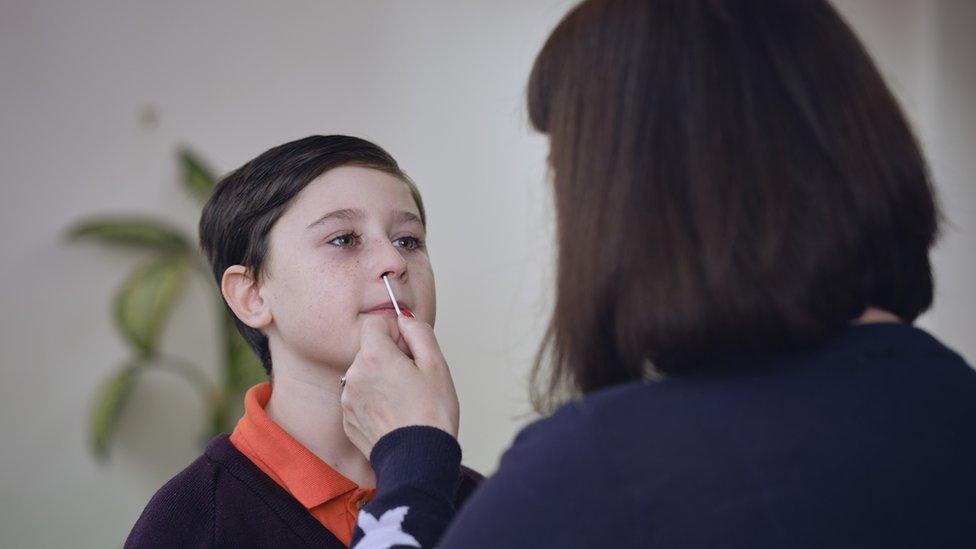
column 392, row 297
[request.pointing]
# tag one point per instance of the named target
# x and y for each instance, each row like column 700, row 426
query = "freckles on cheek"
column 340, row 273
column 334, row 266
column 334, row 280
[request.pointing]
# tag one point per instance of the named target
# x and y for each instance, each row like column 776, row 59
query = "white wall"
column 925, row 50
column 438, row 83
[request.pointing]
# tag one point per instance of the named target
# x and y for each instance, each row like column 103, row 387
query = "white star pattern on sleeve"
column 385, row 532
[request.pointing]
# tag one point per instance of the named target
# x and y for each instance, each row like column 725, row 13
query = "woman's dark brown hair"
column 238, row 218
column 731, row 179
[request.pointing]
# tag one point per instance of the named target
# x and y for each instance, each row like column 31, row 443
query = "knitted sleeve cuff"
column 422, row 457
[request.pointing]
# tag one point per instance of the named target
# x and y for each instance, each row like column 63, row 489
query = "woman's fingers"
column 437, row 375
column 372, row 324
column 422, row 343
column 377, row 340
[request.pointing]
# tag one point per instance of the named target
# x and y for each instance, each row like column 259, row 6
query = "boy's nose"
column 390, row 262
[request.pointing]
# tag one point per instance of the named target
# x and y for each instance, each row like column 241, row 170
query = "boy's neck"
column 305, row 403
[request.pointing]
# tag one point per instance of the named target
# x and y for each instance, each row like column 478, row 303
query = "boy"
column 299, row 240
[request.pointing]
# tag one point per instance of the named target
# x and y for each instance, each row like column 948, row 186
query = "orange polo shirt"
column 332, row 499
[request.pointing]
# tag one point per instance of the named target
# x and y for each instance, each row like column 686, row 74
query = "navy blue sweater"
column 868, row 441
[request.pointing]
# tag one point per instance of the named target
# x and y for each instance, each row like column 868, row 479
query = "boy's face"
column 327, row 254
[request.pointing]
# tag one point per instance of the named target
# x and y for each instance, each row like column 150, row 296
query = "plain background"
column 96, row 95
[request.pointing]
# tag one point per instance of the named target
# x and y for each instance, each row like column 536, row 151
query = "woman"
column 744, row 220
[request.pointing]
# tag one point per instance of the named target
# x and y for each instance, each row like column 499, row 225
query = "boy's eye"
column 344, row 240
column 408, row 243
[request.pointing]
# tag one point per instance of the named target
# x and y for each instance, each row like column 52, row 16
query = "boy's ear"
column 243, row 295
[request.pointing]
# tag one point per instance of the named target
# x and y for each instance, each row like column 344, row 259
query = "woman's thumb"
column 420, row 338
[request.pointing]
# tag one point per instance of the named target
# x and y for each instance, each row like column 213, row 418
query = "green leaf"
column 107, row 408
column 244, row 368
column 197, row 178
column 145, row 299
column 131, row 231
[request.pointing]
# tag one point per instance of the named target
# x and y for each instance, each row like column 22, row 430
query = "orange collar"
column 309, row 479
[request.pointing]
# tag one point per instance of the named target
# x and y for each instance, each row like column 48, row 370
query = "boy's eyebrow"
column 402, row 216
column 399, row 216
column 347, row 214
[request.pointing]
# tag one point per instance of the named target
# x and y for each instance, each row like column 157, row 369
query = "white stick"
column 392, row 297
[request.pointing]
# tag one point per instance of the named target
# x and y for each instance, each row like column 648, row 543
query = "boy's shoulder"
column 224, row 500
column 182, row 512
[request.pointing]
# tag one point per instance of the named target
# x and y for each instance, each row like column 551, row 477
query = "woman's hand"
column 386, row 390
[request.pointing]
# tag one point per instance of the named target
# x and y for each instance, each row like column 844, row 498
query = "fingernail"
column 406, row 312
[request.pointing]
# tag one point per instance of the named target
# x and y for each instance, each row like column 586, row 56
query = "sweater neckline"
column 221, row 451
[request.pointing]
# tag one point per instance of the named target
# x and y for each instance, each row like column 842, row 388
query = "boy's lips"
column 386, row 307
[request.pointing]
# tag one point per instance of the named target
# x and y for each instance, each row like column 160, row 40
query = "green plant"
column 141, row 307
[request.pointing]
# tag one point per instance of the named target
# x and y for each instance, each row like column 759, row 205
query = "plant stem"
column 188, row 371
column 212, row 395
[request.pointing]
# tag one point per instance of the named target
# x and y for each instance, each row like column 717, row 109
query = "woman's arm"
column 418, row 471
column 547, row 491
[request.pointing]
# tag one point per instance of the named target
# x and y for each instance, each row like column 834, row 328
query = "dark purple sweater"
column 223, row 500
column 868, row 441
